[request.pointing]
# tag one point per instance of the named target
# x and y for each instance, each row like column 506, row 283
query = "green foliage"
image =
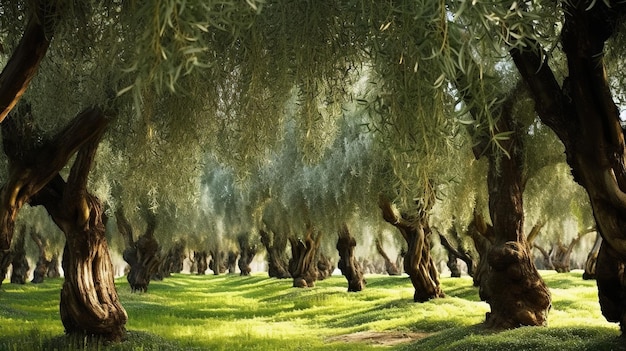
column 230, row 312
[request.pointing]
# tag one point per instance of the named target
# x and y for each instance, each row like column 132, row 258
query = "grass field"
column 189, row 312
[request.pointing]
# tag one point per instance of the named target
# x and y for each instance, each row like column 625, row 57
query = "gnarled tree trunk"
column 89, row 302
column 482, row 235
column 277, row 266
column 41, row 269
column 349, row 266
column 302, row 265
column 53, row 267
column 390, row 267
column 231, row 262
column 418, row 262
column 324, row 266
column 19, row 263
column 583, row 114
column 592, row 259
column 173, row 260
column 455, row 253
column 217, row 261
column 142, row 255
column 247, row 254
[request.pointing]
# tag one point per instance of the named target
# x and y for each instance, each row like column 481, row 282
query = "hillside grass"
column 190, row 312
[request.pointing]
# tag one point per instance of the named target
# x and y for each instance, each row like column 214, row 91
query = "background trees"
column 282, row 93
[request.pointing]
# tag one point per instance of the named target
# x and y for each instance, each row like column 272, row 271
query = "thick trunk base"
column 349, row 266
column 89, row 302
column 610, row 277
column 527, row 299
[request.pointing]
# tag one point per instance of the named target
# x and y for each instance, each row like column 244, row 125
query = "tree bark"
column 483, row 237
column 27, row 57
column 418, row 262
column 19, row 263
column 173, row 260
column 390, row 267
column 582, row 112
column 53, row 267
column 200, row 259
column 217, row 261
column 277, row 265
column 592, row 259
column 302, row 265
column 5, row 261
column 89, row 302
column 231, row 264
column 142, row 255
column 41, row 269
column 324, row 266
column 455, row 253
column 349, row 266
column 247, row 254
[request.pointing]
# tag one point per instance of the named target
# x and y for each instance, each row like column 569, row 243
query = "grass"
column 189, row 312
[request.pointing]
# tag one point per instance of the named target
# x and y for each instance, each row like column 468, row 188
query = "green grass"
column 188, row 312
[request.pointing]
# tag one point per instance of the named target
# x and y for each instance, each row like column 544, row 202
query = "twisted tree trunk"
column 592, row 259
column 231, row 262
column 349, row 266
column 41, row 269
column 89, row 302
column 277, row 265
column 324, row 266
column 390, row 267
column 247, row 254
column 142, row 255
column 455, row 253
column 582, row 113
column 418, row 262
column 302, row 266
column 19, row 263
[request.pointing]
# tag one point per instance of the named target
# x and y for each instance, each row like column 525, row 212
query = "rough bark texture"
column 592, row 259
column 418, row 262
column 89, row 302
column 247, row 254
column 390, row 267
column 19, row 263
column 142, row 255
column 582, row 112
column 349, row 266
column 276, row 262
column 302, row 265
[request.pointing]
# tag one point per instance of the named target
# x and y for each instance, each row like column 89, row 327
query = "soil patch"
column 385, row 338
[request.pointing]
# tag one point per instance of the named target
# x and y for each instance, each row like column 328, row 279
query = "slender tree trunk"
column 247, row 254
column 302, row 265
column 19, row 263
column 216, row 263
column 592, row 259
column 455, row 253
column 547, row 257
column 583, row 114
column 277, row 266
column 232, row 262
column 418, row 262
column 349, row 266
column 41, row 269
column 390, row 267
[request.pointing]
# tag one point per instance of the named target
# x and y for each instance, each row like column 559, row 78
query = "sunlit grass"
column 187, row 312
